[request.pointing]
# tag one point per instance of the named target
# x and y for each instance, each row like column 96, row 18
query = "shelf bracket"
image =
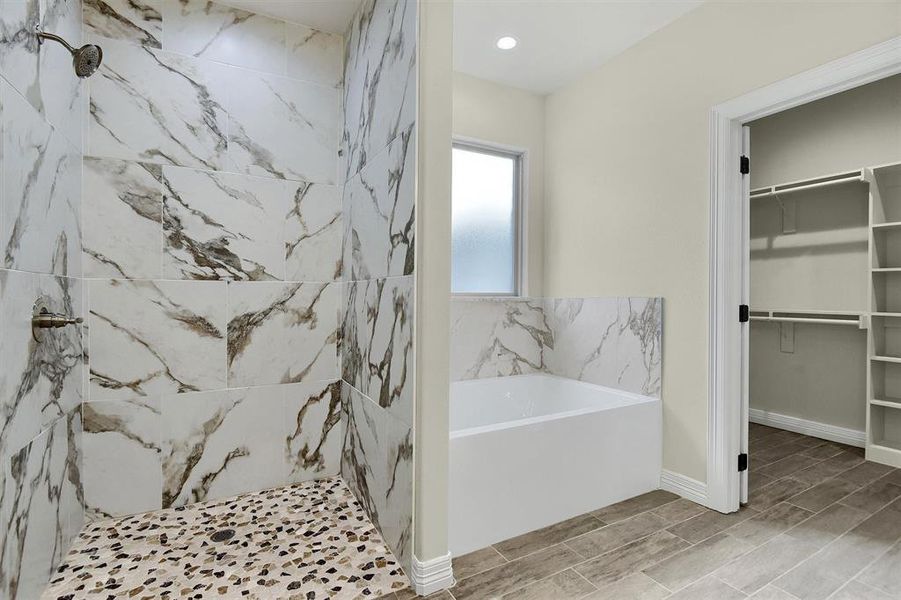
column 789, row 214
column 787, row 338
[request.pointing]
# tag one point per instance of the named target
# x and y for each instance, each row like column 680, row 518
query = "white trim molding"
column 833, row 433
column 688, row 488
column 432, row 575
column 727, row 262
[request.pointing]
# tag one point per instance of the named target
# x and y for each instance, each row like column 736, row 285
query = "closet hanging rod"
column 855, row 323
column 778, row 190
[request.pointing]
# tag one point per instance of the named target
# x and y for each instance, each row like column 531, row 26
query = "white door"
column 745, row 299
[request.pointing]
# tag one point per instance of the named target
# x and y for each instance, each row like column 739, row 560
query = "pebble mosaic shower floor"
column 306, row 541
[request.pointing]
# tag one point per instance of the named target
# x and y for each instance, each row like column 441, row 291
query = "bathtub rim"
column 635, row 399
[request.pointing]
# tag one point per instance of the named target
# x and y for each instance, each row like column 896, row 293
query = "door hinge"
column 742, row 462
column 744, row 313
column 744, row 165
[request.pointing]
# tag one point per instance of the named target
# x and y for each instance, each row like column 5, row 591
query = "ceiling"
column 559, row 40
column 326, row 15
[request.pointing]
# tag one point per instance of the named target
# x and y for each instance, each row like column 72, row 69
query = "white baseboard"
column 688, row 488
column 833, row 433
column 432, row 575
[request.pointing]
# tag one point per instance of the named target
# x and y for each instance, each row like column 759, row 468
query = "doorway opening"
column 801, row 277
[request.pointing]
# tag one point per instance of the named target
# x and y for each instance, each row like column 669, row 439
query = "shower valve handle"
column 43, row 318
column 48, row 320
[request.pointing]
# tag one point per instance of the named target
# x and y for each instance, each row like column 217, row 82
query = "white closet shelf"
column 886, row 314
column 816, row 317
column 886, row 269
column 810, row 184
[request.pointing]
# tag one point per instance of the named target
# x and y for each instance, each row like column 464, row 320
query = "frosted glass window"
column 485, row 208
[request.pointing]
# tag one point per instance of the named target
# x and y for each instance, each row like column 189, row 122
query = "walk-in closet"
column 825, row 276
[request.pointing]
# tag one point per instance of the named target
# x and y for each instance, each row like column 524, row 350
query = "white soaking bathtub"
column 531, row 450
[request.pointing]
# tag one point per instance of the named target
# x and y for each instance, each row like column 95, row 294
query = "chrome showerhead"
column 85, row 60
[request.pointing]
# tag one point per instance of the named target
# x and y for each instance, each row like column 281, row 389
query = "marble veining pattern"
column 315, row 55
column 211, row 164
column 159, row 107
column 313, row 233
column 122, row 219
column 311, row 541
column 499, row 337
column 378, row 172
column 163, row 452
column 219, row 444
column 380, row 225
column 40, row 212
column 137, row 21
column 155, row 337
column 282, row 127
column 224, row 34
column 41, row 508
column 380, row 79
column 43, row 75
column 377, row 347
column 314, row 434
column 377, row 463
column 222, row 226
column 40, row 383
column 122, row 472
column 282, row 332
column 615, row 342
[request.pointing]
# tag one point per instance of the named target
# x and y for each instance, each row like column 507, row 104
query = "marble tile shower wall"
column 615, row 342
column 212, row 254
column 378, row 174
column 41, row 385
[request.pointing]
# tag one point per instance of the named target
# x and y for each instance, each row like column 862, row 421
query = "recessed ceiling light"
column 506, row 43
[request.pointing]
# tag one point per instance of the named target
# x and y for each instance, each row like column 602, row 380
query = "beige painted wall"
column 499, row 114
column 824, row 264
column 433, row 219
column 626, row 170
column 857, row 128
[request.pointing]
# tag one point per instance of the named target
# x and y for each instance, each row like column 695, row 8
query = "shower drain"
column 223, row 535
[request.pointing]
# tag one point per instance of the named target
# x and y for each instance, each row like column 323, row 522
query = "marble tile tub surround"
column 615, row 342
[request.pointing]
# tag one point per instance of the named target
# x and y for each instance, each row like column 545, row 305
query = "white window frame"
column 520, row 191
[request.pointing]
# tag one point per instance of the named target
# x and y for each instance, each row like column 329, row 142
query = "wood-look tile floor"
column 821, row 523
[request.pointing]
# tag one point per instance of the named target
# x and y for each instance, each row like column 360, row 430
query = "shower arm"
column 52, row 36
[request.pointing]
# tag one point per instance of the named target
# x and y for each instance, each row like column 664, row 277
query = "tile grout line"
column 711, row 573
column 565, row 541
column 826, row 546
column 727, row 585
